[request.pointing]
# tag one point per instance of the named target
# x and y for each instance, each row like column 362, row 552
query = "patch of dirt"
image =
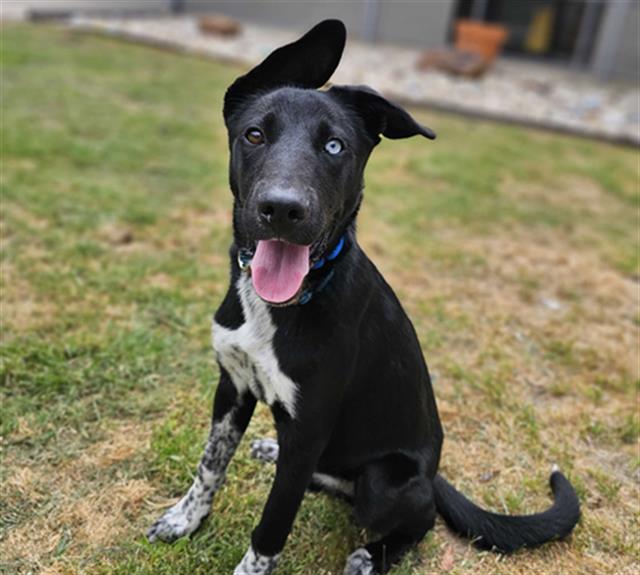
column 116, row 234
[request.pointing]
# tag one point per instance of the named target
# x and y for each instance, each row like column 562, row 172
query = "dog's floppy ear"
column 305, row 63
column 380, row 116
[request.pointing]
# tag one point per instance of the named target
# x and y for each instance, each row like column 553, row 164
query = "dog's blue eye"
column 333, row 146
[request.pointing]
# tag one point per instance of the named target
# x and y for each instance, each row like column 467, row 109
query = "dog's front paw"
column 255, row 564
column 265, row 450
column 359, row 563
column 182, row 519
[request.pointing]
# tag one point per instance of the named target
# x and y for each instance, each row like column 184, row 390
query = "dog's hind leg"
column 336, row 486
column 266, row 450
column 393, row 497
column 231, row 415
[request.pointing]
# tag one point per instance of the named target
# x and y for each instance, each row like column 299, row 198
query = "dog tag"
column 244, row 258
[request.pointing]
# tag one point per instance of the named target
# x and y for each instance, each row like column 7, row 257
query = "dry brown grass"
column 529, row 294
column 22, row 309
column 81, row 505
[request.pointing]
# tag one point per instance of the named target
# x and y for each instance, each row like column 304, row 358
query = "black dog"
column 310, row 327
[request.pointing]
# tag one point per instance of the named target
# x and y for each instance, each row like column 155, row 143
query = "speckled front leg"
column 186, row 515
column 231, row 417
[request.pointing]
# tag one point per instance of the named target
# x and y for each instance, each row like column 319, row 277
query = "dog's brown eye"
column 254, row 136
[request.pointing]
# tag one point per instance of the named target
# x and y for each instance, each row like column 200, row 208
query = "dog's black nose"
column 281, row 210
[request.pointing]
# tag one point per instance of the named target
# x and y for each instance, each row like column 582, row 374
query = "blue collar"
column 306, row 295
column 335, row 252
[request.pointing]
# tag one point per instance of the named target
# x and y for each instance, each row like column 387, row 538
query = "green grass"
column 115, row 226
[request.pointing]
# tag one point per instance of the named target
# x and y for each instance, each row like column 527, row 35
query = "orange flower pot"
column 480, row 38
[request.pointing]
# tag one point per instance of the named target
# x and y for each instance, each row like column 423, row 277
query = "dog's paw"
column 359, row 563
column 265, row 450
column 255, row 564
column 180, row 520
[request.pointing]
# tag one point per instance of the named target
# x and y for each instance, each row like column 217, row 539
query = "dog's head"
column 298, row 157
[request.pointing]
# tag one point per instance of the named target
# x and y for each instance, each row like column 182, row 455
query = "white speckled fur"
column 186, row 515
column 255, row 564
column 247, row 352
column 359, row 563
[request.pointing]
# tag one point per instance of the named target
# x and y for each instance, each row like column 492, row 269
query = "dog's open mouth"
column 278, row 269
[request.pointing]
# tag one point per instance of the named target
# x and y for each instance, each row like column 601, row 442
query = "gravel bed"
column 515, row 91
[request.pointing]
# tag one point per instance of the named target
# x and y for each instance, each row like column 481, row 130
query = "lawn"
column 514, row 251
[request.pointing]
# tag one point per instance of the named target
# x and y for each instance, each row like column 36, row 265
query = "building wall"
column 626, row 64
column 424, row 24
column 296, row 15
column 409, row 22
column 617, row 48
column 24, row 6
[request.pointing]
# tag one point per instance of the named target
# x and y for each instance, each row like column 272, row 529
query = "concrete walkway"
column 515, row 91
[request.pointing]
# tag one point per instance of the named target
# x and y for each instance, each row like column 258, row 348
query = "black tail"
column 506, row 533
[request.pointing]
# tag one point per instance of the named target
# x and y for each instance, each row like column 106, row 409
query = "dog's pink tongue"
column 278, row 268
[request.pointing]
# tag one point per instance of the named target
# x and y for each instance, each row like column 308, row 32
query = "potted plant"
column 480, row 38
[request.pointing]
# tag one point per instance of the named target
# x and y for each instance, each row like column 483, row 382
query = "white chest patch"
column 247, row 352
